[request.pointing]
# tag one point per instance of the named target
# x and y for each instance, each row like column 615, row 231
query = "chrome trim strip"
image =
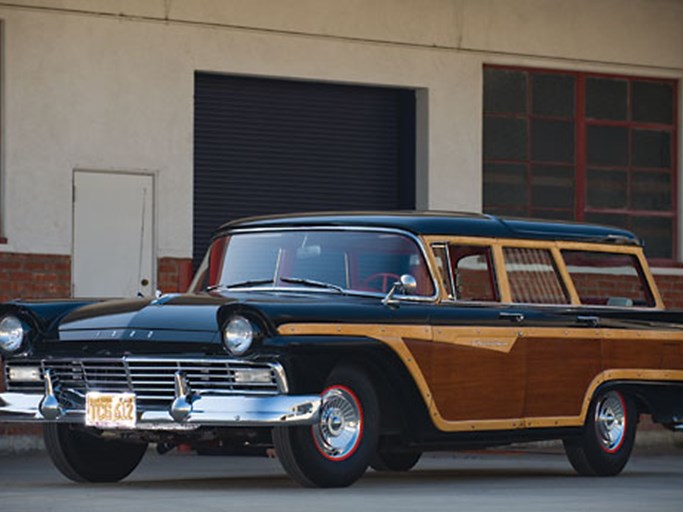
column 281, row 378
column 370, row 229
column 20, row 407
column 224, row 411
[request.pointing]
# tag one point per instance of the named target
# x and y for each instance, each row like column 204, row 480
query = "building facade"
column 130, row 129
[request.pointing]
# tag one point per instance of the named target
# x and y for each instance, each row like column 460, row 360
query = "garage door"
column 278, row 146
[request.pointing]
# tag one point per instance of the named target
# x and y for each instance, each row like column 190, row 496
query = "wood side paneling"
column 505, row 378
column 632, row 353
column 478, row 384
column 672, row 356
column 559, row 372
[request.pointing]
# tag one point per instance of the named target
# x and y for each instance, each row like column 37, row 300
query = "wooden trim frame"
column 555, row 247
column 503, row 340
column 564, row 276
column 501, row 273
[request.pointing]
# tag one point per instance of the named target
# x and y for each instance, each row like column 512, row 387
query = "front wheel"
column 608, row 436
column 335, row 451
column 83, row 457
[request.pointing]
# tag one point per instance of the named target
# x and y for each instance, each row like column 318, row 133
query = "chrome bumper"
column 207, row 410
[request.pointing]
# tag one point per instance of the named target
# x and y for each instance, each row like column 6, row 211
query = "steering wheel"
column 385, row 279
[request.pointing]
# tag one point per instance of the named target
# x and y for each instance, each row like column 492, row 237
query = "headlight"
column 238, row 335
column 11, row 334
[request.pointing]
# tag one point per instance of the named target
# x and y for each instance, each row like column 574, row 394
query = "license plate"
column 110, row 410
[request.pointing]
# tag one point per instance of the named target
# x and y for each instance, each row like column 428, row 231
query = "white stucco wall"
column 108, row 84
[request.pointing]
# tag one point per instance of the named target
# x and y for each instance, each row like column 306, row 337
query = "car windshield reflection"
column 325, row 260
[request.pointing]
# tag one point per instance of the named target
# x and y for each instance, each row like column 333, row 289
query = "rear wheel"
column 607, row 438
column 335, row 451
column 83, row 457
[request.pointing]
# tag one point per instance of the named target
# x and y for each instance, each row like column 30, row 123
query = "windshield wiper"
column 311, row 282
column 240, row 284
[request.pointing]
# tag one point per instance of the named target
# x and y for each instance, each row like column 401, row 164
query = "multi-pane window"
column 582, row 146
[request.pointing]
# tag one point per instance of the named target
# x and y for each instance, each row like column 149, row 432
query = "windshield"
column 336, row 260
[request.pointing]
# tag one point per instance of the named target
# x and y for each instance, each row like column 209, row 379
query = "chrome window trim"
column 369, row 229
column 448, row 270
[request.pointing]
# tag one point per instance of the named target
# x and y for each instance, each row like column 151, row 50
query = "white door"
column 113, row 234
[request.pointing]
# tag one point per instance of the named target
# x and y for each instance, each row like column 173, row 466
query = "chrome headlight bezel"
column 238, row 335
column 12, row 334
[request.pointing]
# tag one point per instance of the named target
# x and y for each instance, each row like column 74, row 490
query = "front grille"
column 152, row 380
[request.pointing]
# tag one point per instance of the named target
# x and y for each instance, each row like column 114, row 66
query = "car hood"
column 171, row 317
column 196, row 318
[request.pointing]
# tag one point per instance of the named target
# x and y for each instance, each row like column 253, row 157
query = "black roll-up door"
column 266, row 146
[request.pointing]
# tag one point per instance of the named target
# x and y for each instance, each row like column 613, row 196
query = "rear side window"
column 473, row 273
column 533, row 277
column 608, row 279
column 466, row 272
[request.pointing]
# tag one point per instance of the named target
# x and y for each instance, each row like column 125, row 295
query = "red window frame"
column 581, row 124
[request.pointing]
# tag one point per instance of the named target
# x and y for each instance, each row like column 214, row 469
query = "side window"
column 467, row 272
column 473, row 273
column 608, row 279
column 533, row 276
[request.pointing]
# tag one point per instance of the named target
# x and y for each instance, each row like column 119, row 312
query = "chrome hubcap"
column 610, row 421
column 339, row 430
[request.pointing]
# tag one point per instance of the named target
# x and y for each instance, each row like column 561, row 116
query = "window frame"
column 638, row 267
column 449, row 293
column 580, row 164
column 555, row 247
column 200, row 283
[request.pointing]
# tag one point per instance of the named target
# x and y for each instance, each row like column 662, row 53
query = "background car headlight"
column 238, row 335
column 11, row 334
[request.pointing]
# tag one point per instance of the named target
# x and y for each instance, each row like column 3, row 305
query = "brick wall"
column 475, row 285
column 597, row 288
column 174, row 274
column 671, row 289
column 41, row 276
column 34, row 276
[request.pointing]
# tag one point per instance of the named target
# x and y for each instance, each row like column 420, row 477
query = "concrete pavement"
column 501, row 480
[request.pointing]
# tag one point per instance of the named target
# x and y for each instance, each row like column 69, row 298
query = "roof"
column 443, row 223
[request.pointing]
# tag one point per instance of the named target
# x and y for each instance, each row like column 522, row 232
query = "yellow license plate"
column 110, row 410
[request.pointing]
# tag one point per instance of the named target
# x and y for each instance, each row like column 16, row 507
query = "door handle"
column 593, row 321
column 513, row 317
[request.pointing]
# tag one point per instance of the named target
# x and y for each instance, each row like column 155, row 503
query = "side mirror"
column 406, row 284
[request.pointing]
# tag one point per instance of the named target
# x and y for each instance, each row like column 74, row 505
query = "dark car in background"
column 348, row 340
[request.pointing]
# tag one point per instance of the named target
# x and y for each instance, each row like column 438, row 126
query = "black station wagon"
column 348, row 340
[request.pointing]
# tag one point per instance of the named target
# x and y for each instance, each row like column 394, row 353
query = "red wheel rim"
column 339, row 431
column 610, row 421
